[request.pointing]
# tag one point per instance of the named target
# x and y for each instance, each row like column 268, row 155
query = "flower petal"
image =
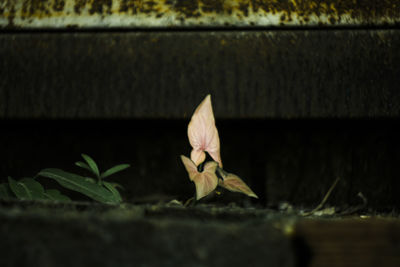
column 214, row 150
column 190, row 167
column 202, row 132
column 233, row 183
column 198, row 156
column 205, row 181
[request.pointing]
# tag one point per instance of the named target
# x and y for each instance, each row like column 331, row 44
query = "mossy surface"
column 82, row 234
column 169, row 234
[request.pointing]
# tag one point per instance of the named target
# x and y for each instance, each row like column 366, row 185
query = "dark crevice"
column 302, row 252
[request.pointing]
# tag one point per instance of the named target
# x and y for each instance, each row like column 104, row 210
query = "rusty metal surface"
column 257, row 74
column 176, row 13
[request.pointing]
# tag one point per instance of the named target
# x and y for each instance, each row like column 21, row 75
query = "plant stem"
column 99, row 180
column 200, row 168
column 221, row 172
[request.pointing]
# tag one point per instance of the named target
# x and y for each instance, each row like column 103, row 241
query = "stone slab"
column 64, row 236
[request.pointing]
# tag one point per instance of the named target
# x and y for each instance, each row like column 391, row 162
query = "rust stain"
column 130, row 6
column 102, row 7
column 58, row 5
column 188, row 8
column 37, row 8
column 134, row 7
column 213, row 6
column 244, row 9
column 357, row 9
column 287, row 11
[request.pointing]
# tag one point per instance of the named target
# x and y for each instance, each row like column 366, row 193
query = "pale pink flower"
column 205, row 181
column 203, row 137
column 233, row 183
column 203, row 134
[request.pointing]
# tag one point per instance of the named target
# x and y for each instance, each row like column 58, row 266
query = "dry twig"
column 324, row 199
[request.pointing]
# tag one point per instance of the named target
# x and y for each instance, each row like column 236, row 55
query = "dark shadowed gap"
column 281, row 160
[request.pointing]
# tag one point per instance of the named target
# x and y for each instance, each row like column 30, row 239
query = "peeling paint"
column 170, row 13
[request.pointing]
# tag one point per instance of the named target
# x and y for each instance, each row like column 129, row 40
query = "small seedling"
column 91, row 166
column 101, row 191
column 31, row 189
column 203, row 137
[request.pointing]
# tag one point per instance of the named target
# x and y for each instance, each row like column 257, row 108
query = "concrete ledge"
column 62, row 236
column 82, row 234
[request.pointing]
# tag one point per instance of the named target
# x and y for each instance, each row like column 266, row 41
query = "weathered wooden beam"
column 250, row 74
column 61, row 14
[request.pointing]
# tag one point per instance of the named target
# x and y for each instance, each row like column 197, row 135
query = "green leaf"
column 83, row 165
column 55, row 195
column 93, row 181
column 35, row 188
column 113, row 190
column 80, row 184
column 92, row 164
column 117, row 185
column 5, row 191
column 19, row 190
column 114, row 169
column 27, row 188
